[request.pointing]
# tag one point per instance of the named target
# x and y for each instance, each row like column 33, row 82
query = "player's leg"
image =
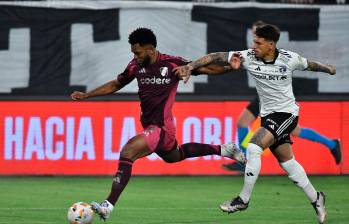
column 189, row 150
column 170, row 152
column 296, row 173
column 261, row 139
column 247, row 116
column 135, row 148
column 332, row 144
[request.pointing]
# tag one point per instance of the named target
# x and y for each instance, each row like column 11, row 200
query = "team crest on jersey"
column 163, row 71
column 282, row 69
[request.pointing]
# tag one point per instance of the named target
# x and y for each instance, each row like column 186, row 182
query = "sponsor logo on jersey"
column 270, row 77
column 155, row 81
column 257, row 69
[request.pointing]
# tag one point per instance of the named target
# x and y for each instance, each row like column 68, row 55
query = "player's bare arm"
column 214, row 59
column 105, row 89
column 213, row 69
column 319, row 67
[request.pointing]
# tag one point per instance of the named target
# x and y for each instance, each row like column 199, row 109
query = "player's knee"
column 169, row 160
column 254, row 150
column 128, row 153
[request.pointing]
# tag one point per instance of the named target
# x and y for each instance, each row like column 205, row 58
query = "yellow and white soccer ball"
column 80, row 213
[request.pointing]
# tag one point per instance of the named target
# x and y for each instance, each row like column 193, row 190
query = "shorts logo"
column 148, row 132
column 163, row 71
column 272, row 126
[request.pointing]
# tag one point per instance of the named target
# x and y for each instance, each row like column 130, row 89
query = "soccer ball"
column 80, row 213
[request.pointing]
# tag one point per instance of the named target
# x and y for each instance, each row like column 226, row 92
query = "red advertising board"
column 84, row 138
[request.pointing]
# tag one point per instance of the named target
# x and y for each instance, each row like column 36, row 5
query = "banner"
column 52, row 48
column 85, row 138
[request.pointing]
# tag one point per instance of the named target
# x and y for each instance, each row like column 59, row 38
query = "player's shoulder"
column 290, row 57
column 132, row 65
column 171, row 58
column 249, row 55
column 287, row 53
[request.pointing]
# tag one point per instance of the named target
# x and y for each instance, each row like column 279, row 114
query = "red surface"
column 208, row 122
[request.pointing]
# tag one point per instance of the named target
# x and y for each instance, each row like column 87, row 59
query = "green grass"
column 155, row 200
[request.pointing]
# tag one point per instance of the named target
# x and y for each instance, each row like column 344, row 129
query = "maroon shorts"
column 160, row 138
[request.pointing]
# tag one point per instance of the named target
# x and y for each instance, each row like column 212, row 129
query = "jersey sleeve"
column 127, row 75
column 179, row 61
column 244, row 54
column 297, row 62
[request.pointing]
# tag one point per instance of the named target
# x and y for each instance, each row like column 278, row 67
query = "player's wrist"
column 189, row 67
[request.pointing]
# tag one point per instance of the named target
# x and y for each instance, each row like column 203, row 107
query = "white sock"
column 297, row 174
column 253, row 166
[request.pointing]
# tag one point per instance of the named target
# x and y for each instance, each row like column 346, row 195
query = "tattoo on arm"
column 210, row 58
column 318, row 67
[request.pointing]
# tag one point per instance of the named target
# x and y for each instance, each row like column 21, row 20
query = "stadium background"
column 50, row 48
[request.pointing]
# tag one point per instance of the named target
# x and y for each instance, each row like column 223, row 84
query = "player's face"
column 141, row 54
column 261, row 46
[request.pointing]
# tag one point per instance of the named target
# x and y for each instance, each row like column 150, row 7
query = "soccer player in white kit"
column 272, row 69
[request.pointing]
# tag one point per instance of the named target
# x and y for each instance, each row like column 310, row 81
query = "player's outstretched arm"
column 213, row 69
column 319, row 67
column 214, row 63
column 105, row 89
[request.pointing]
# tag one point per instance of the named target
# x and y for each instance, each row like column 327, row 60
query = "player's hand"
column 183, row 72
column 332, row 69
column 78, row 95
column 235, row 60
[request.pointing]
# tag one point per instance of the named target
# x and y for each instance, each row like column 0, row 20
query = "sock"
column 314, row 136
column 120, row 180
column 253, row 166
column 242, row 133
column 297, row 174
column 190, row 150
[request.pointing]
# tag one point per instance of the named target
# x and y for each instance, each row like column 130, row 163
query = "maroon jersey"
column 157, row 87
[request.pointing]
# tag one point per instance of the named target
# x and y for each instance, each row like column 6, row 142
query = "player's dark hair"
column 268, row 32
column 142, row 36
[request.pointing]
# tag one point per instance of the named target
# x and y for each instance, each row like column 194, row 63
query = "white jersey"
column 274, row 80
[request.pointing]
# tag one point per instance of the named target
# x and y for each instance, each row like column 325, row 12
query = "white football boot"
column 231, row 151
column 319, row 206
column 102, row 209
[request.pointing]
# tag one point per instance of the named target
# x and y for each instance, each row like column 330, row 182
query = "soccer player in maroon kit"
column 157, row 89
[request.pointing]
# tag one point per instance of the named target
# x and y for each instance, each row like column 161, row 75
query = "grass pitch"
column 155, row 200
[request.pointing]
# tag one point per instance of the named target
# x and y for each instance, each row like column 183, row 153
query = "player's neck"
column 271, row 56
column 154, row 57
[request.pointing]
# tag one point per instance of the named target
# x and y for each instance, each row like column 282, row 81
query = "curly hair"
column 142, row 36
